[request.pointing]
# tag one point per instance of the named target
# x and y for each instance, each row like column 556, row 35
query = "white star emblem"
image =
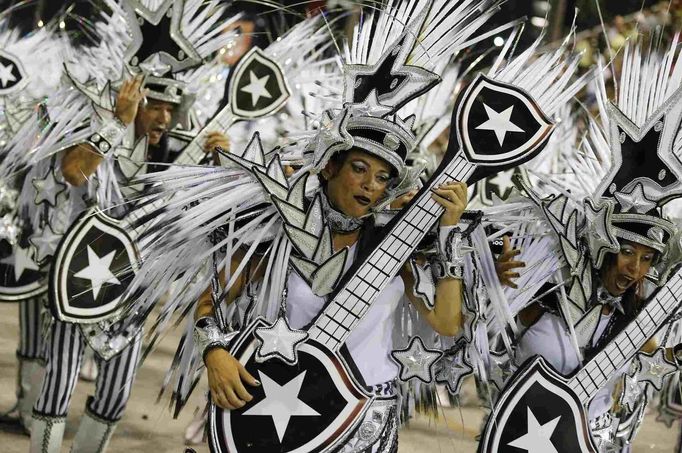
column 416, row 361
column 6, row 75
column 538, row 438
column 257, row 88
column 279, row 340
column 97, row 271
column 499, row 123
column 21, row 260
column 281, row 402
column 503, row 181
column 635, row 200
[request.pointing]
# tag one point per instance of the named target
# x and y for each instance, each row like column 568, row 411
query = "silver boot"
column 93, row 434
column 47, row 434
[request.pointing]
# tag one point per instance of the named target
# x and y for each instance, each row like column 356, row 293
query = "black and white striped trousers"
column 64, row 348
column 30, row 328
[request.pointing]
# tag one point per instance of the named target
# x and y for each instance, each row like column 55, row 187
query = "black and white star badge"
column 499, row 122
column 280, row 341
column 416, row 361
column 12, row 74
column 258, row 87
column 92, row 268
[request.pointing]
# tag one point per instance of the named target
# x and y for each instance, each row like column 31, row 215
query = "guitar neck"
column 627, row 343
column 192, row 154
column 352, row 301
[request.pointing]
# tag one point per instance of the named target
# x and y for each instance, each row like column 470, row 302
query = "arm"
column 226, row 376
column 446, row 316
column 81, row 161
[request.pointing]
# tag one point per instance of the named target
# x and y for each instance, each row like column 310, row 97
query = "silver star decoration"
column 630, row 393
column 539, row 437
column 98, row 271
column 500, row 123
column 281, row 402
column 6, row 75
column 256, row 88
column 280, row 341
column 45, row 243
column 654, row 367
column 416, row 361
column 48, row 189
column 452, row 368
column 153, row 14
column 600, row 237
column 635, row 200
column 20, row 260
column 501, row 368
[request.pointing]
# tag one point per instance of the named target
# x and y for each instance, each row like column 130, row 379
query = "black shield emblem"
column 322, row 404
column 21, row 276
column 12, row 74
column 93, row 266
column 258, row 87
column 500, row 124
column 537, row 407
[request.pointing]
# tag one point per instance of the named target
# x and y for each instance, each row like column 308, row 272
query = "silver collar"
column 338, row 221
column 605, row 298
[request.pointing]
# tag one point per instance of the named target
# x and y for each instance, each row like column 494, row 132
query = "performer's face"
column 153, row 120
column 629, row 266
column 358, row 183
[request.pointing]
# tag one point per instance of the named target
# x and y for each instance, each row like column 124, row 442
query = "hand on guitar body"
column 227, row 379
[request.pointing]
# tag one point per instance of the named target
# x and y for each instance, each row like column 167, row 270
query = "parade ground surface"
column 148, row 427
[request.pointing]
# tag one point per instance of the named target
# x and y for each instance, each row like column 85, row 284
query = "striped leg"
column 63, row 353
column 30, row 327
column 115, row 382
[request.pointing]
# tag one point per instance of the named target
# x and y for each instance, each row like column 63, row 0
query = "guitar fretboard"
column 335, row 323
column 627, row 343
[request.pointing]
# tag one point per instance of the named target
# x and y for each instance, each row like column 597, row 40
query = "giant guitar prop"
column 98, row 256
column 540, row 409
column 314, row 402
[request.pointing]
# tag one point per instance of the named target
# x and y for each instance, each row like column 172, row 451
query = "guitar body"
column 530, row 405
column 93, row 266
column 319, row 383
column 21, row 276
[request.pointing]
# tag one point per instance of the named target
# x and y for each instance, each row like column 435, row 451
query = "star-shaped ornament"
column 48, row 189
column 500, row 123
column 280, row 341
column 539, row 437
column 6, row 75
column 20, row 259
column 666, row 417
column 45, row 242
column 635, row 200
column 281, row 402
column 600, row 237
column 630, row 393
column 416, row 361
column 654, row 367
column 98, row 271
column 391, row 79
column 453, row 367
column 256, row 88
